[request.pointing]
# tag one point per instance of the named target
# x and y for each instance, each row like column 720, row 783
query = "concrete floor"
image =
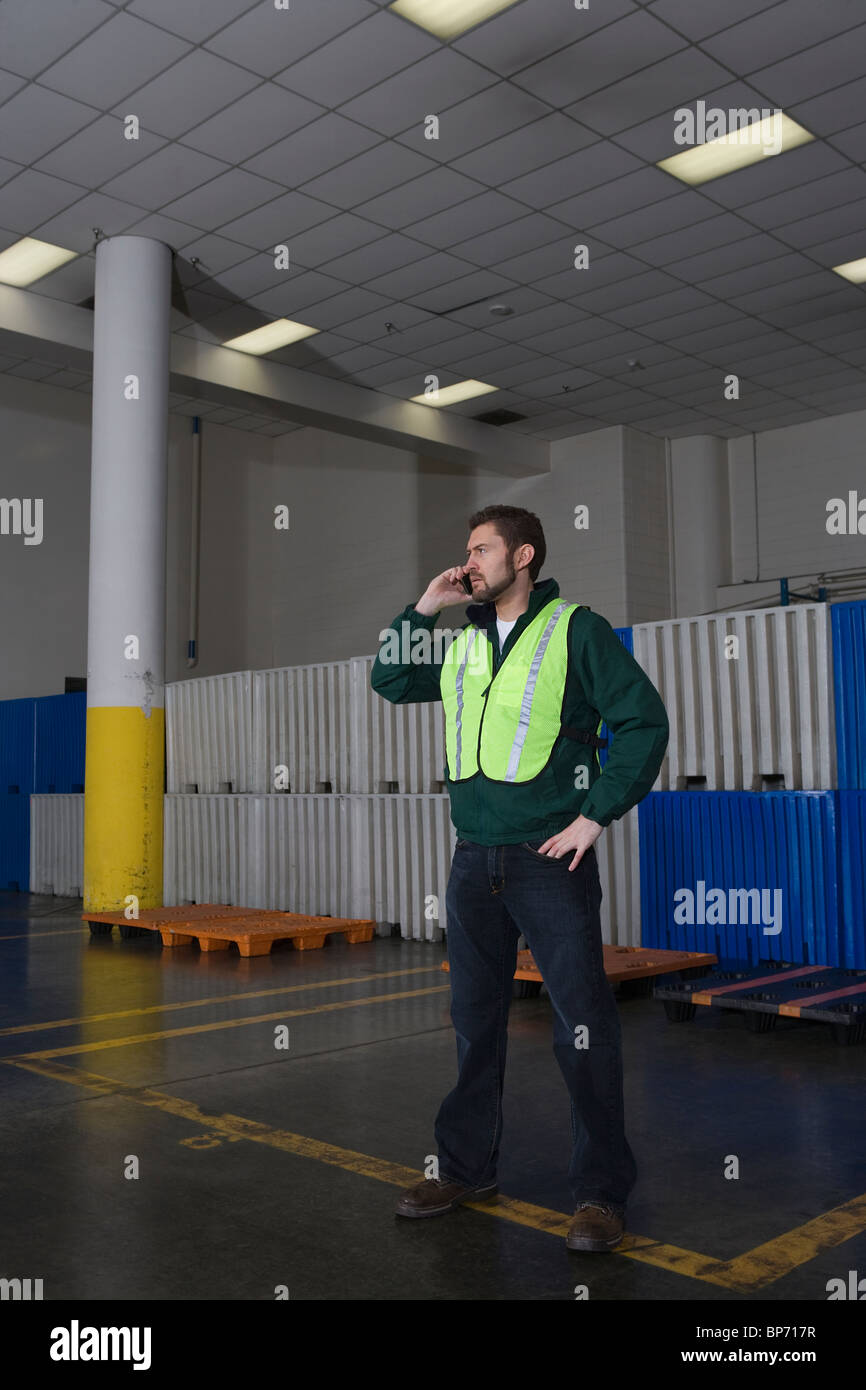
column 261, row 1168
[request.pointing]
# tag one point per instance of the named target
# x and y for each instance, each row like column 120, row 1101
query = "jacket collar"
column 483, row 614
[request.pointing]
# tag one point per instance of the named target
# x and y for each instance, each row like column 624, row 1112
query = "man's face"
column 490, row 569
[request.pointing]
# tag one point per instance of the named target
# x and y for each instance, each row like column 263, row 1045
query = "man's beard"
column 488, row 594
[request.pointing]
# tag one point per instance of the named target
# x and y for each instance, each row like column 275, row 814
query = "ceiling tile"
column 472, row 217
column 586, row 169
column 673, row 214
column 375, row 171
column 515, row 238
column 777, row 33
column 505, row 159
column 164, row 177
column 783, row 272
column 311, row 151
column 114, row 61
column 33, row 36
column 187, row 93
column 360, row 58
column 35, row 120
column 339, row 240
column 418, row 91
column 479, row 119
column 638, row 189
column 276, row 220
column 722, row 259
column 721, row 231
column 525, row 34
column 834, row 110
column 775, row 174
column 341, row 307
column 698, row 22
column 815, row 70
column 265, row 39
column 456, row 293
column 661, row 307
column 599, row 60
column 297, row 294
column 647, row 93
column 199, row 19
column 371, row 327
column 380, row 256
column 265, row 117
column 809, row 231
column 98, row 153
column 30, row 198
column 431, row 193
column 630, row 292
column 846, row 186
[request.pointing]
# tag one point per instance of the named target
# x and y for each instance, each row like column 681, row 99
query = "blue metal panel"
column 848, row 621
column 16, row 746
column 60, row 726
column 738, row 841
column 625, row 636
column 852, row 877
column 14, row 842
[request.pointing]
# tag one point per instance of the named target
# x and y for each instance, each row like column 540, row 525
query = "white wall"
column 370, row 526
column 780, row 484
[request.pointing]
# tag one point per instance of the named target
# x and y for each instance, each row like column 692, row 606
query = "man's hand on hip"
column 581, row 835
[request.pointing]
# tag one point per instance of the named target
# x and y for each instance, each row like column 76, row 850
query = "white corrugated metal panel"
column 305, row 855
column 406, row 843
column 206, row 850
column 396, row 748
column 209, row 734
column 57, row 843
column 618, row 852
column 302, row 719
column 757, row 719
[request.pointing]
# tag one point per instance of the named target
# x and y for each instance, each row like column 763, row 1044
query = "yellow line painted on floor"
column 107, row 1043
column 61, row 931
column 216, row 999
column 748, row 1273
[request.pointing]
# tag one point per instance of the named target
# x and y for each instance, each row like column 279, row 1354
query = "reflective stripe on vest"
column 505, row 725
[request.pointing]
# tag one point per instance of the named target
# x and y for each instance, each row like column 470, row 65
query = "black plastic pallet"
column 834, row 995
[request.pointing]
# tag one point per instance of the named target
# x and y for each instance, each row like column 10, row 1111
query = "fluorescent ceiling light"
column 29, row 260
column 751, row 143
column 460, row 391
column 270, row 337
column 855, row 271
column 446, row 19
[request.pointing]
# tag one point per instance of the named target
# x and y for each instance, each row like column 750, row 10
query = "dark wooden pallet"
column 216, row 926
column 834, row 995
column 632, row 968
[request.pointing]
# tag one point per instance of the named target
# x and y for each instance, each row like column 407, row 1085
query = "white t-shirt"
column 503, row 628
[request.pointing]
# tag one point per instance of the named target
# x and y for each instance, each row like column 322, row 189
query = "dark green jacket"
column 604, row 681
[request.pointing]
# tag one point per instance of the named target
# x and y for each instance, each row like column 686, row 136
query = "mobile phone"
column 467, row 583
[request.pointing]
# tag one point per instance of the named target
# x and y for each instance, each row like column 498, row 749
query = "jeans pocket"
column 547, row 858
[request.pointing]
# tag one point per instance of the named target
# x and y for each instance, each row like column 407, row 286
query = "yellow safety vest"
column 505, row 726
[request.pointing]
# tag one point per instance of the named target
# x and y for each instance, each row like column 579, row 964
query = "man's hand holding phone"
column 451, row 586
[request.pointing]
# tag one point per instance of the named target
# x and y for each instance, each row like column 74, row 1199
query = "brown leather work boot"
column 595, row 1227
column 436, row 1196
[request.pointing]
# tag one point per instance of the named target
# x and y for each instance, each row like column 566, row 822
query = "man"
column 524, row 685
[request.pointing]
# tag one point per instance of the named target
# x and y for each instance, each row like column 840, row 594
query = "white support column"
column 124, row 779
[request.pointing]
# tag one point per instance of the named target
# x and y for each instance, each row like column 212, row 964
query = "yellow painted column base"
column 124, row 784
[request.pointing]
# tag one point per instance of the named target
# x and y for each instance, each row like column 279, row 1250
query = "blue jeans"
column 496, row 893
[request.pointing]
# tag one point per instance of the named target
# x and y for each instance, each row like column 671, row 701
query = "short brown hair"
column 517, row 527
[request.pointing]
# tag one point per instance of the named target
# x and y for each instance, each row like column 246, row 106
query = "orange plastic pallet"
column 189, row 912
column 255, row 938
column 624, row 963
column 254, row 931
